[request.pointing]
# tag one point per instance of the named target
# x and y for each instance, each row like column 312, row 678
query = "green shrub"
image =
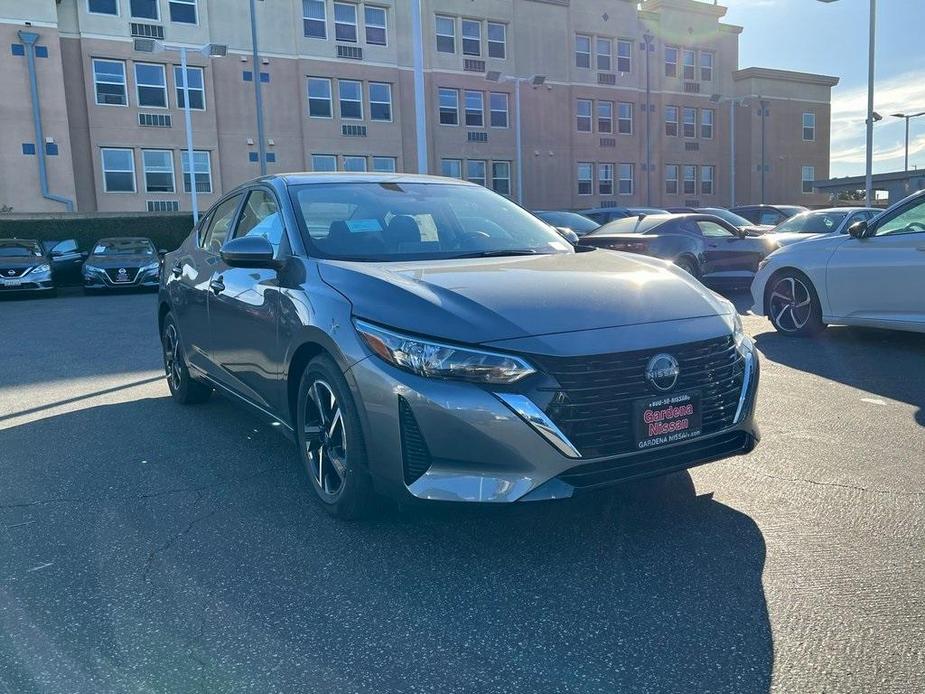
column 167, row 231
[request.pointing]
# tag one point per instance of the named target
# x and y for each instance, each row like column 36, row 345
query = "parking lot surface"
column 149, row 547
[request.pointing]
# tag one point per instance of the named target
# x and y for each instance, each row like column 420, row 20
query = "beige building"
column 607, row 122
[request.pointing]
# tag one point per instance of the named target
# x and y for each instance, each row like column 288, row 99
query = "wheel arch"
column 777, row 274
column 162, row 310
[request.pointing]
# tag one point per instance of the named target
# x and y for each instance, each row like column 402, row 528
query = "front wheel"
column 687, row 265
column 793, row 306
column 183, row 387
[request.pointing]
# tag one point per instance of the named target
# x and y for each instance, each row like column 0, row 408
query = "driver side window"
column 261, row 217
column 220, row 223
column 714, row 230
column 908, row 221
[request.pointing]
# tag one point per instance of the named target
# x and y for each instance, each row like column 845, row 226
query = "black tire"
column 335, row 460
column 183, row 387
column 793, row 306
column 688, row 265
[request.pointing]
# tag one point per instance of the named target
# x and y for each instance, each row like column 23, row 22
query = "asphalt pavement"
column 150, row 547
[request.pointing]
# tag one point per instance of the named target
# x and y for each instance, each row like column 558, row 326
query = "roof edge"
column 785, row 76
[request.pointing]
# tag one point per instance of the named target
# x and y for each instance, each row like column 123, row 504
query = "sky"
column 831, row 38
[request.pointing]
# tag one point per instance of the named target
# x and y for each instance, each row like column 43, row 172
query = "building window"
column 585, row 178
column 671, row 179
column 109, row 82
column 497, row 40
column 345, row 22
column 475, row 109
column 319, row 97
column 498, row 107
column 157, row 165
column 584, row 115
column 446, row 34
column 809, row 127
column 103, row 7
column 144, row 9
column 314, row 19
column 707, row 176
column 604, row 53
column 374, row 19
column 582, row 51
column 451, row 168
column 324, row 162
column 118, row 170
column 690, row 121
column 625, row 119
column 350, row 97
column 706, row 66
column 671, row 61
column 501, row 177
column 625, row 183
column 449, row 106
column 706, row 123
column 690, row 179
column 671, row 121
column 689, row 58
column 605, row 179
column 385, row 164
column 605, row 116
column 355, row 164
column 151, row 85
column 476, row 171
column 471, row 37
column 808, row 175
column 202, row 163
column 183, row 11
column 624, row 56
column 380, row 101
column 195, row 86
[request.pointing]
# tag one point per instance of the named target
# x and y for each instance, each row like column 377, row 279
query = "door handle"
column 177, row 270
column 217, row 286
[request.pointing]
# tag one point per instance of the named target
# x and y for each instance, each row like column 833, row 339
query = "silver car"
column 816, row 223
column 426, row 338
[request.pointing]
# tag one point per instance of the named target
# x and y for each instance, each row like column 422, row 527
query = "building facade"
column 622, row 102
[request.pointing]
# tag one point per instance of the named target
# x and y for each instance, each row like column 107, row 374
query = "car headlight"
column 90, row 269
column 40, row 269
column 437, row 360
column 150, row 267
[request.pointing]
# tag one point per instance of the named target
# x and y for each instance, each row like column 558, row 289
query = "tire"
column 688, row 266
column 183, row 387
column 331, row 445
column 793, row 305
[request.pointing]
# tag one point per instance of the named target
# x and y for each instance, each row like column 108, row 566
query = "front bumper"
column 478, row 449
column 99, row 279
column 29, row 282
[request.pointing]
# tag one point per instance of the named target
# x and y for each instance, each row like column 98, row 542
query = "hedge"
column 167, row 231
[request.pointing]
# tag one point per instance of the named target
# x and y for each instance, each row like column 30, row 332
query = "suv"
column 427, row 338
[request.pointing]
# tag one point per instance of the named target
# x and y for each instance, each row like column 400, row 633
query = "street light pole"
column 187, row 119
column 764, row 112
column 647, row 43
column 732, row 153
column 907, row 118
column 262, row 143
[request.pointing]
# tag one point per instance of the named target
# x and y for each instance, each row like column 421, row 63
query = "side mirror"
column 568, row 235
column 742, row 232
column 248, row 251
column 84, row 255
column 161, row 252
column 858, row 230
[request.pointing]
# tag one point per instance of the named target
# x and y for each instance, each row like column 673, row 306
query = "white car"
column 816, row 223
column 874, row 276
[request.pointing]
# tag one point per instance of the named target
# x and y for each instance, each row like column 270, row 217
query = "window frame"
column 804, row 180
column 139, row 84
column 178, row 91
column 704, row 125
column 306, row 19
column 144, row 170
column 495, row 178
column 603, row 119
column 812, row 127
column 494, row 42
column 590, row 40
column 355, row 157
column 705, row 180
column 676, row 123
column 589, row 116
column 589, row 167
column 157, row 12
column 452, row 161
column 369, row 91
column 93, row 62
column 359, row 100
column 623, row 119
column 608, row 56
column 462, row 33
column 481, row 111
column 384, row 26
column 316, row 157
column 685, row 110
column 706, row 71
column 506, row 111
column 669, row 179
column 271, row 194
column 330, row 98
column 438, row 35
column 484, row 178
column 685, row 52
column 621, row 179
column 605, row 178
column 187, row 3
column 193, row 173
column 355, row 24
column 117, row 13
column 209, row 219
column 104, row 170
column 671, row 66
column 628, row 57
column 685, row 169
column 376, row 158
column 441, row 109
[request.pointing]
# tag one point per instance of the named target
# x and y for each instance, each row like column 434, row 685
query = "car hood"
column 489, row 299
column 117, row 261
column 757, row 229
column 785, row 238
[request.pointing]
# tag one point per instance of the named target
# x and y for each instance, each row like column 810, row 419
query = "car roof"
column 111, row 239
column 303, row 177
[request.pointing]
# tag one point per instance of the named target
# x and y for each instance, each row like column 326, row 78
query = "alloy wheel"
column 790, row 304
column 172, row 357
column 325, row 439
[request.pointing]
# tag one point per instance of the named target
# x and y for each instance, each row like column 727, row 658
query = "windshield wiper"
column 497, row 252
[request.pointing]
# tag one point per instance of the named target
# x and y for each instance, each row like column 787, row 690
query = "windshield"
column 629, row 225
column 580, row 224
column 812, row 223
column 731, row 217
column 19, row 249
column 124, row 247
column 417, row 221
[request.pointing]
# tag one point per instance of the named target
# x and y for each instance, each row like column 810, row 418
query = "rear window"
column 629, row 225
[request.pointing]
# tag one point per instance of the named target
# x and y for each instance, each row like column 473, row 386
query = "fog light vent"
column 415, row 456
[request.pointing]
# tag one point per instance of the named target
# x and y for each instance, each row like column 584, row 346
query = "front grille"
column 11, row 273
column 117, row 278
column 593, row 404
column 415, row 455
column 657, row 461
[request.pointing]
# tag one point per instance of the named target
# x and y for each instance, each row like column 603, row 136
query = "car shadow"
column 169, row 548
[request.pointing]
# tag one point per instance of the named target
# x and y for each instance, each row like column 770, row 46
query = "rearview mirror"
column 858, row 230
column 248, row 251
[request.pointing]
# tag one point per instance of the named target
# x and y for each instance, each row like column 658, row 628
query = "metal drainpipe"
column 29, row 38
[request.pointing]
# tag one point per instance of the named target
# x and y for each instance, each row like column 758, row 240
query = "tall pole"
column 261, row 140
column 906, row 163
column 732, row 153
column 420, row 106
column 189, row 135
column 647, row 38
column 870, row 105
column 518, row 145
column 764, row 166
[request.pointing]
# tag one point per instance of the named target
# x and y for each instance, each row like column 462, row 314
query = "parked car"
column 602, row 215
column 24, row 267
column 561, row 219
column 767, row 214
column 816, row 223
column 737, row 221
column 410, row 355
column 705, row 246
column 873, row 276
column 66, row 260
column 122, row 263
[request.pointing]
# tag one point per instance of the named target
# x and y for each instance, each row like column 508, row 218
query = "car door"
column 880, row 280
column 728, row 254
column 66, row 261
column 244, row 306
